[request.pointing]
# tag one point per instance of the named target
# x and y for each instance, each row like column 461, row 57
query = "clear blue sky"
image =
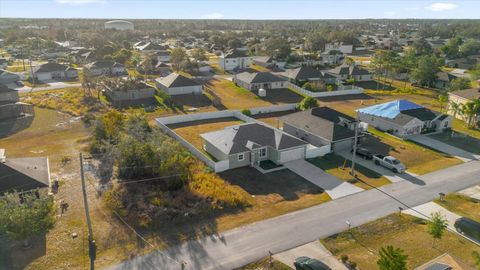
column 246, row 9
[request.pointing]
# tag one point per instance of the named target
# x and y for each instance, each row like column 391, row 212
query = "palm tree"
column 455, row 108
column 470, row 111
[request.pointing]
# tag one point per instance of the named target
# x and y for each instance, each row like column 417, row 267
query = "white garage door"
column 290, row 155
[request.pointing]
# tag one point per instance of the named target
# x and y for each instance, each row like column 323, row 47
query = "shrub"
column 307, row 103
column 247, row 112
column 344, row 258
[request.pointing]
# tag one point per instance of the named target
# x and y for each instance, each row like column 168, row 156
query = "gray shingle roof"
column 303, row 73
column 471, row 94
column 4, row 88
column 236, row 53
column 258, row 77
column 176, row 80
column 243, row 138
column 317, row 125
column 23, row 174
column 50, row 67
column 103, row 64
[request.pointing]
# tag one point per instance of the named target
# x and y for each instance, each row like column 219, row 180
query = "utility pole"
column 91, row 243
column 31, row 73
column 354, row 154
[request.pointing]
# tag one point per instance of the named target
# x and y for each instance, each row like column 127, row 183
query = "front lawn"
column 462, row 205
column 264, row 264
column 361, row 244
column 418, row 159
column 340, row 168
column 460, row 140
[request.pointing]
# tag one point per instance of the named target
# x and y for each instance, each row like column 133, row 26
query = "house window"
column 445, row 125
column 263, row 152
column 226, row 61
column 241, row 157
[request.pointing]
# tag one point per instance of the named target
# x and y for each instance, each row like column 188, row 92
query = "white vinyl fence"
column 313, row 151
column 342, row 90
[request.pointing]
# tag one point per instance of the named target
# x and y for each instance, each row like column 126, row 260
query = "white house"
column 355, row 72
column 235, row 60
column 104, row 68
column 258, row 80
column 176, row 84
column 162, row 56
column 403, row 118
column 339, row 46
column 51, row 70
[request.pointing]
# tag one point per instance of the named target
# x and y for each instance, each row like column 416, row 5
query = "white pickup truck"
column 389, row 162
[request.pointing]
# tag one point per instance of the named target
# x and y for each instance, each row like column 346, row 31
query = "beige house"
column 461, row 97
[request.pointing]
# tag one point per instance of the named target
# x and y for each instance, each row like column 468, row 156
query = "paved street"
column 443, row 147
column 52, row 86
column 334, row 187
column 249, row 243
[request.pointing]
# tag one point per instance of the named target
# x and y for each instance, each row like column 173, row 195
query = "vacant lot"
column 273, row 194
column 233, row 97
column 191, row 131
column 460, row 140
column 417, row 159
column 271, row 118
column 362, row 244
column 340, row 168
column 462, row 205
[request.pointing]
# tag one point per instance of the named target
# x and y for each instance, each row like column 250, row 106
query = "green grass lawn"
column 462, row 205
column 264, row 264
column 361, row 244
column 340, row 168
column 460, row 140
column 417, row 159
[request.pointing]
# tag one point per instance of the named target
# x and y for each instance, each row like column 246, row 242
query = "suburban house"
column 267, row 61
column 235, row 60
column 7, row 77
column 403, row 118
column 443, row 79
column 249, row 144
column 339, row 46
column 176, row 84
column 3, row 63
column 104, row 68
column 54, row 71
column 23, row 174
column 162, row 56
column 259, row 80
column 150, row 47
column 321, row 126
column 461, row 97
column 345, row 72
column 9, row 105
column 305, row 74
column 332, row 57
column 128, row 92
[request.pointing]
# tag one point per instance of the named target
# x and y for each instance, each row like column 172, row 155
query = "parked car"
column 363, row 152
column 389, row 162
column 469, row 228
column 306, row 263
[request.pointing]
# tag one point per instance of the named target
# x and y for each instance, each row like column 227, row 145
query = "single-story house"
column 403, row 118
column 176, row 84
column 443, row 79
column 462, row 97
column 235, row 60
column 344, row 72
column 304, row 74
column 23, row 174
column 258, row 80
column 10, row 107
column 104, row 68
column 248, row 144
column 7, row 77
column 52, row 71
column 463, row 63
column 162, row 56
column 267, row 61
column 150, row 47
column 339, row 46
column 321, row 126
column 332, row 57
column 120, row 96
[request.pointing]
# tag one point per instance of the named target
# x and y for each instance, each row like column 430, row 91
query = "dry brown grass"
column 405, row 232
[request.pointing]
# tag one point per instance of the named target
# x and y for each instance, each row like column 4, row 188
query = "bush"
column 246, row 112
column 307, row 103
column 344, row 258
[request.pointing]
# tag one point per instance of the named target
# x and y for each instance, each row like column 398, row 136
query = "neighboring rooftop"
column 471, row 94
column 50, row 67
column 176, row 80
column 235, row 53
column 245, row 137
column 258, row 77
column 390, row 109
column 103, row 64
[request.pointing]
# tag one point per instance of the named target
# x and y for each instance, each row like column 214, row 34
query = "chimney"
column 3, row 158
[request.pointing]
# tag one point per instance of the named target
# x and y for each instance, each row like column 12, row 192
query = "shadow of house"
column 11, row 126
column 13, row 255
column 11, row 110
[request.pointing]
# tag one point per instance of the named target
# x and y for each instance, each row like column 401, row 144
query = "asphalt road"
column 240, row 246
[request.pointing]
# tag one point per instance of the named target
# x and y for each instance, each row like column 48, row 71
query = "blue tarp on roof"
column 390, row 109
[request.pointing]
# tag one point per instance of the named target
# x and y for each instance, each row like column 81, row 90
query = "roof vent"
column 3, row 158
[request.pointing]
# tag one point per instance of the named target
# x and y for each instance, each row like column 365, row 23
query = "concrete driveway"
column 314, row 250
column 390, row 175
column 425, row 211
column 334, row 187
column 445, row 148
column 473, row 192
